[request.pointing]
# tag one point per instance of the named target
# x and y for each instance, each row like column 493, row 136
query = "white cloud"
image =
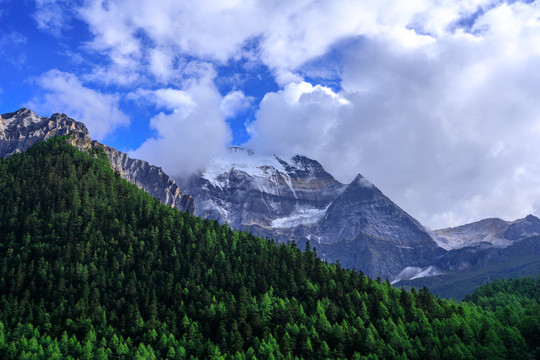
column 448, row 129
column 162, row 64
column 168, row 98
column 300, row 119
column 65, row 93
column 234, row 102
column 50, row 15
column 438, row 101
column 288, row 34
column 192, row 133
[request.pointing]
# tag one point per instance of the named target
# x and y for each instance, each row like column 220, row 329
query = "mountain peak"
column 361, row 181
column 19, row 113
column 532, row 218
column 21, row 117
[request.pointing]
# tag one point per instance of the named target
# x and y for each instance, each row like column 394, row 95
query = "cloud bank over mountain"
column 436, row 103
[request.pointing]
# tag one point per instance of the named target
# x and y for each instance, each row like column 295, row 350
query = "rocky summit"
column 296, row 199
column 21, row 129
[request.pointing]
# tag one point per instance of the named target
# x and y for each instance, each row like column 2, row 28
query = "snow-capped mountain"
column 243, row 189
column 295, row 198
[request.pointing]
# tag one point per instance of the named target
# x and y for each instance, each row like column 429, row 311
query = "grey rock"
column 383, row 238
column 495, row 232
column 523, row 229
column 296, row 199
column 148, row 177
column 23, row 128
column 481, row 264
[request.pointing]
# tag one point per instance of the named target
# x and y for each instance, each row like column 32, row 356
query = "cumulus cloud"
column 191, row 132
column 287, row 35
column 65, row 93
column 168, row 98
column 435, row 102
column 234, row 102
column 298, row 119
column 448, row 128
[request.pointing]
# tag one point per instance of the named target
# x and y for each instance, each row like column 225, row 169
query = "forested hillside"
column 94, row 268
column 515, row 302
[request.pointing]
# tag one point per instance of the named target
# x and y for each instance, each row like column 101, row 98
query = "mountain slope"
column 474, row 266
column 480, row 252
column 496, row 232
column 295, row 198
column 385, row 238
column 515, row 301
column 274, row 197
column 356, row 224
column 92, row 267
column 23, row 128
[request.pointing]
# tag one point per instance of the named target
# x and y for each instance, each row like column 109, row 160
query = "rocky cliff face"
column 23, row 128
column 480, row 252
column 270, row 193
column 381, row 238
column 488, row 232
column 297, row 199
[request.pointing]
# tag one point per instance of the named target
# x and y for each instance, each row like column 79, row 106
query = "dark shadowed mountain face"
column 296, row 199
column 523, row 229
column 23, row 128
column 385, row 238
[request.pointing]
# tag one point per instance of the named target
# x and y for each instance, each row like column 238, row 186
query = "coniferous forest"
column 94, row 268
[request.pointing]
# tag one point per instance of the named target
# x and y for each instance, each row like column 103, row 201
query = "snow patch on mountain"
column 411, row 273
column 301, row 216
column 245, row 161
column 453, row 242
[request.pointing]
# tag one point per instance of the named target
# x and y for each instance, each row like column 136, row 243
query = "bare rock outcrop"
column 22, row 129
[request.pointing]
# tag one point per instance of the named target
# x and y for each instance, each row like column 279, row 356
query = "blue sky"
column 435, row 102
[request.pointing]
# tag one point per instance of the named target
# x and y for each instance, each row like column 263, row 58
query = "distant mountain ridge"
column 480, row 252
column 499, row 233
column 22, row 129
